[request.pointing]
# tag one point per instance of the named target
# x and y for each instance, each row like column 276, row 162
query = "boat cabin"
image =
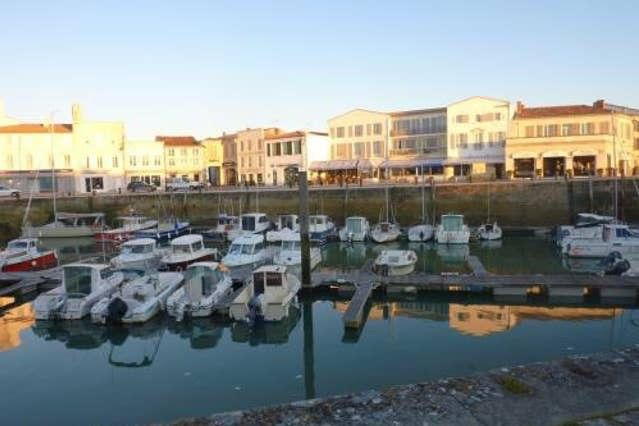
column 201, row 279
column 187, row 244
column 81, row 279
column 452, row 222
column 23, row 246
column 355, row 224
column 317, row 220
column 385, row 227
column 252, row 222
column 92, row 220
column 138, row 246
column 618, row 232
column 247, row 245
column 290, row 221
column 271, row 280
column 227, row 221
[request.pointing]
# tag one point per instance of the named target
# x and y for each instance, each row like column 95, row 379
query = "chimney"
column 76, row 113
column 599, row 104
column 520, row 107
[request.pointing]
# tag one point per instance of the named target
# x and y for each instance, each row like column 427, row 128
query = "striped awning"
column 322, row 166
column 411, row 163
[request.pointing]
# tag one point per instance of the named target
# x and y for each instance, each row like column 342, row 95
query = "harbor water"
column 76, row 372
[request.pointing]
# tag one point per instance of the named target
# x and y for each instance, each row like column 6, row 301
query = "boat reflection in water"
column 490, row 244
column 453, row 253
column 266, row 332
column 77, row 334
column 202, row 333
column 136, row 345
column 582, row 265
column 15, row 317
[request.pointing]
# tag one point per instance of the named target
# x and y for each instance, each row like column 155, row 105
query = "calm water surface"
column 79, row 373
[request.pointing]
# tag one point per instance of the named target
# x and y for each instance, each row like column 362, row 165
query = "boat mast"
column 488, row 202
column 423, row 196
column 53, row 183
column 386, row 193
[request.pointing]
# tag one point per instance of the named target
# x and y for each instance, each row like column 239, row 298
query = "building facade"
column 144, row 161
column 183, row 157
column 287, row 153
column 87, row 156
column 213, row 159
column 477, row 129
column 251, row 154
column 229, row 159
column 580, row 140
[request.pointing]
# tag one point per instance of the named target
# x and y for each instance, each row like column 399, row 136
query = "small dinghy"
column 165, row 231
column 489, row 232
column 395, row 262
column 186, row 250
column 286, row 224
column 205, row 283
column 355, row 230
column 128, row 226
column 290, row 253
column 23, row 255
column 140, row 254
column 268, row 297
column 385, row 232
column 82, row 286
column 138, row 300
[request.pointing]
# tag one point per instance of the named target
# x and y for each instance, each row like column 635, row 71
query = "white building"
column 287, row 153
column 144, row 161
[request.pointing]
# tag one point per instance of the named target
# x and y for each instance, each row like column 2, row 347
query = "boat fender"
column 116, row 310
column 615, row 264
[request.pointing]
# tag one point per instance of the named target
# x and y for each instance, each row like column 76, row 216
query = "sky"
column 204, row 67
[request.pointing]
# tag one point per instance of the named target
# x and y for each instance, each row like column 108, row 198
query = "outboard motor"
column 255, row 310
column 421, row 235
column 116, row 310
column 615, row 264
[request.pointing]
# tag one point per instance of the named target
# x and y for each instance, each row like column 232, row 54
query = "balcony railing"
column 415, row 132
column 415, row 151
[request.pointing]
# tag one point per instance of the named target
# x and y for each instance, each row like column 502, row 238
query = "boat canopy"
column 590, row 219
column 80, row 218
column 452, row 222
column 354, row 224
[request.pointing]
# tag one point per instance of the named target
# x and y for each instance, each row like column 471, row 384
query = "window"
column 340, row 132
column 171, row 161
column 587, row 128
column 67, row 161
column 259, row 144
column 461, row 118
column 368, row 130
column 288, row 148
column 145, row 160
column 485, row 117
column 297, row 147
column 183, row 152
column 566, row 129
column 501, row 136
column 530, row 131
column 342, row 150
column 551, row 130
column 242, row 161
column 196, row 152
column 250, row 161
column 157, row 161
column 479, row 137
column 88, row 163
column 100, row 162
column 259, row 163
column 359, row 131
column 132, row 161
column 350, row 131
column 498, row 116
column 359, row 150
column 604, row 127
column 241, row 146
column 378, row 149
column 171, row 152
column 277, row 149
column 377, row 128
column 636, row 143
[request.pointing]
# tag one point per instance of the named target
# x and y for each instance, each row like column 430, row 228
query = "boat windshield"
column 288, row 222
column 354, row 225
column 17, row 245
column 452, row 223
column 291, row 245
column 316, row 220
column 385, row 227
column 77, row 279
column 248, row 223
column 247, row 248
column 235, row 249
column 137, row 248
column 273, row 279
column 181, row 248
column 207, row 277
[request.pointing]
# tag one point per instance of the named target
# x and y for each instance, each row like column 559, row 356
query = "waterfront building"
column 579, row 140
column 249, row 145
column 87, row 155
column 359, row 141
column 183, row 157
column 477, row 129
column 144, row 161
column 213, row 159
column 229, row 159
column 287, row 153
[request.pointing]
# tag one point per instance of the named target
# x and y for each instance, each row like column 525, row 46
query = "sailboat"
column 387, row 230
column 424, row 231
column 489, row 231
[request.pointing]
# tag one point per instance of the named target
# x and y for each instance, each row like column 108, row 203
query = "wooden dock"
column 12, row 283
column 506, row 288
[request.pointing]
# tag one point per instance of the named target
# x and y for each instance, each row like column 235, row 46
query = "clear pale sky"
column 201, row 67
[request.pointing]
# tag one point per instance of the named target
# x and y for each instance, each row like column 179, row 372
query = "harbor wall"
column 512, row 204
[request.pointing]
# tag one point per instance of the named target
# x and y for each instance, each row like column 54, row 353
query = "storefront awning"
column 322, row 166
column 412, row 163
column 468, row 161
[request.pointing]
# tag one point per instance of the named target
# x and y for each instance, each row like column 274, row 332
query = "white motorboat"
column 356, row 229
column 424, row 231
column 587, row 225
column 254, row 223
column 613, row 238
column 489, row 232
column 82, row 286
column 225, row 227
column 140, row 254
column 187, row 249
column 205, row 283
column 246, row 250
column 268, row 297
column 395, row 262
column 285, row 225
column 23, row 255
column 320, row 227
column 385, row 232
column 68, row 225
column 452, row 230
column 128, row 226
column 290, row 253
column 138, row 300
column 617, row 264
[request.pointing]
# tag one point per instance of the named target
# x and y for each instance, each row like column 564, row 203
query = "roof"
column 488, row 98
column 248, row 238
column 358, row 109
column 187, row 239
column 555, row 111
column 295, row 134
column 37, row 128
column 255, row 214
column 177, row 140
column 139, row 242
column 417, row 112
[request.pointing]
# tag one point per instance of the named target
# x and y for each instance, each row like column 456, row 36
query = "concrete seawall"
column 512, row 203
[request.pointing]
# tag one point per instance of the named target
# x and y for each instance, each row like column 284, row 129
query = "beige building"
column 144, row 161
column 213, row 159
column 477, row 129
column 183, row 157
column 579, row 140
column 249, row 144
column 87, row 155
column 229, row 159
column 287, row 153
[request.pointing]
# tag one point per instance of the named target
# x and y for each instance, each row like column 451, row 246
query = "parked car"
column 195, row 185
column 183, row 185
column 140, row 187
column 9, row 192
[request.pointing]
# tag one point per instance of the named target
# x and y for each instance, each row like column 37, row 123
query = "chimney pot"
column 598, row 104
